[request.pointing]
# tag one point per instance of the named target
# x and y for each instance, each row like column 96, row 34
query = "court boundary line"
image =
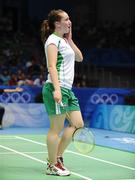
column 91, row 157
column 38, row 160
column 27, row 152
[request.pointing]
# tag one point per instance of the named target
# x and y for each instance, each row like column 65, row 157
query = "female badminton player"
column 61, row 53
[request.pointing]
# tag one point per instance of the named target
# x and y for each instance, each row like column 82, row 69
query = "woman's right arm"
column 52, row 52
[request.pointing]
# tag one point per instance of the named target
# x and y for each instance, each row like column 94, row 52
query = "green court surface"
column 23, row 157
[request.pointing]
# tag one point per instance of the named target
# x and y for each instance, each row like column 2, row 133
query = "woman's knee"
column 55, row 130
column 57, row 123
column 80, row 124
column 76, row 119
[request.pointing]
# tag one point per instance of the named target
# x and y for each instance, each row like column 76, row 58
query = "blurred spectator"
column 22, row 59
column 39, row 81
column 13, row 80
column 34, row 68
column 5, row 77
column 21, row 78
column 28, row 80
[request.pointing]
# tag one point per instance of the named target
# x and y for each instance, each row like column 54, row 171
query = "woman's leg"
column 56, row 125
column 76, row 121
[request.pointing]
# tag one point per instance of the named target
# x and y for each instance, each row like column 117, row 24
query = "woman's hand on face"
column 57, row 96
column 68, row 35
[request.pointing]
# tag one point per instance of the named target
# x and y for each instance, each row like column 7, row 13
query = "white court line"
column 27, row 152
column 97, row 159
column 38, row 160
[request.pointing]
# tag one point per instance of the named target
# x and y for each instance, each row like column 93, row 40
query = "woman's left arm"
column 78, row 54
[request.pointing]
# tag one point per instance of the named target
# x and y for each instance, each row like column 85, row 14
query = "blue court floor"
column 112, row 139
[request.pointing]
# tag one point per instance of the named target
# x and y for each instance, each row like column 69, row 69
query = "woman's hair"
column 48, row 26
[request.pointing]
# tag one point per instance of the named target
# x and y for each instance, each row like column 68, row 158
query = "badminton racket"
column 83, row 138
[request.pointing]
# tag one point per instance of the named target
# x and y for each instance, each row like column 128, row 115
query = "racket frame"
column 92, row 145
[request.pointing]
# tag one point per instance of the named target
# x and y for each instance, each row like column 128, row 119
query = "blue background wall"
column 110, row 117
column 101, row 108
column 86, row 95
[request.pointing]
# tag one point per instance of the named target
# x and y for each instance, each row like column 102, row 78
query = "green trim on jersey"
column 59, row 63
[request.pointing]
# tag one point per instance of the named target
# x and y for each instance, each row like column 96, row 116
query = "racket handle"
column 57, row 107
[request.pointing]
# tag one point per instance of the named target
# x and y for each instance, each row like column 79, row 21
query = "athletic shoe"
column 61, row 164
column 56, row 170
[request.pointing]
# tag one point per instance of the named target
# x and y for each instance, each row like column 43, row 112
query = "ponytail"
column 45, row 31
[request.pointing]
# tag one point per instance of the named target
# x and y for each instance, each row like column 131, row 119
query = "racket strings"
column 84, row 140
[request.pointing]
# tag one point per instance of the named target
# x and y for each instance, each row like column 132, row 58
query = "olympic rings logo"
column 104, row 98
column 15, row 97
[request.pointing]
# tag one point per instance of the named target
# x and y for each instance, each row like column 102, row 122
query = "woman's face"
column 65, row 23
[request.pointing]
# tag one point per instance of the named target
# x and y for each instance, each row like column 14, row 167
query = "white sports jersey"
column 65, row 61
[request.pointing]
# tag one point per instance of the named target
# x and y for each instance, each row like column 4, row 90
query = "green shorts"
column 69, row 101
